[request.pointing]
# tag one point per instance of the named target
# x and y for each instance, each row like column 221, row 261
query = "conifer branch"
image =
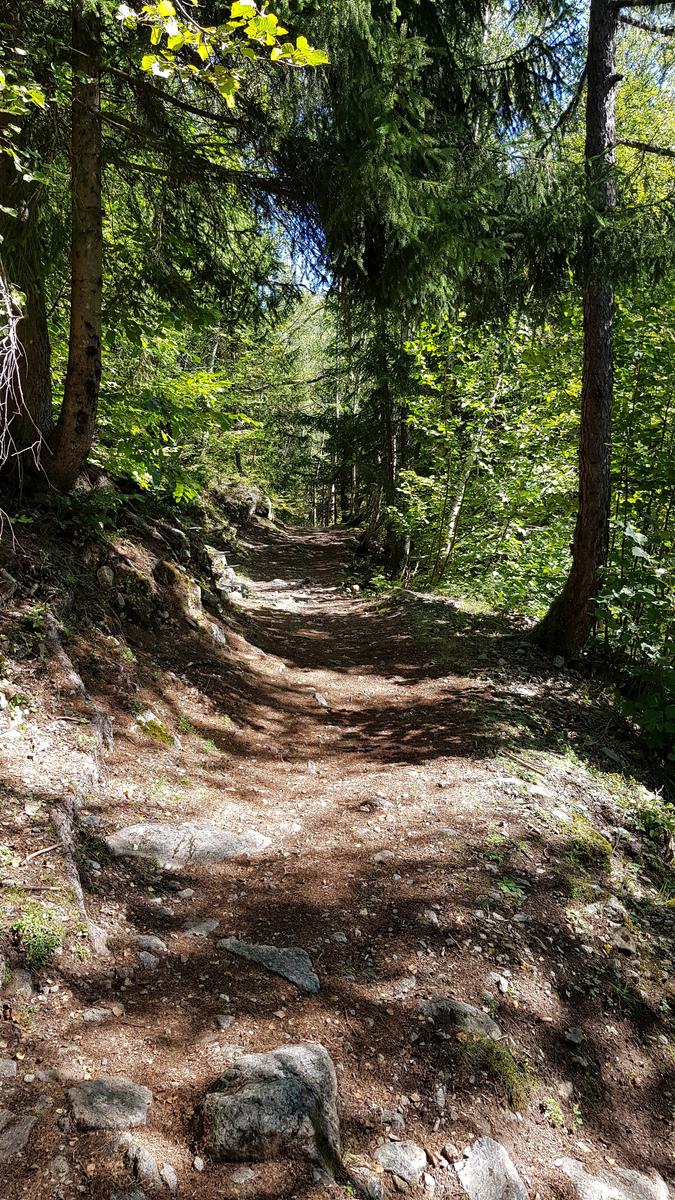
column 646, row 147
column 665, row 30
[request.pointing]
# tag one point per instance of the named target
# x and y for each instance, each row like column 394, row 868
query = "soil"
column 434, row 790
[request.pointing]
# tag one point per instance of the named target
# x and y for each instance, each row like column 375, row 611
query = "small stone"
column 14, row 1134
column 155, row 945
column 382, row 856
column 291, row 962
column 198, row 1163
column 487, row 1173
column 169, row 1177
column 372, row 1183
column 148, row 961
column 224, row 1020
column 242, row 1175
column 95, row 1016
column 321, row 700
column 19, row 986
column 110, row 1102
column 201, row 928
column 7, row 1068
column 405, row 1159
column 143, row 1167
column 105, row 576
column 574, row 1035
column 446, row 1011
column 394, row 1119
column 451, row 1152
column 59, row 1169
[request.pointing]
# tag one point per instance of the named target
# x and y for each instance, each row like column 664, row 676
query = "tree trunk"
column 568, row 623
column 25, row 384
column 72, row 438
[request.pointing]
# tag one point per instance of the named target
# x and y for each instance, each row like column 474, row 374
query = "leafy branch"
column 187, row 49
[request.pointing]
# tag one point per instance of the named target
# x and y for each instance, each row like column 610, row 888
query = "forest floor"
column 449, row 814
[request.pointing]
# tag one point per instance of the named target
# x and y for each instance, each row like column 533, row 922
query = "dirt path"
column 426, row 838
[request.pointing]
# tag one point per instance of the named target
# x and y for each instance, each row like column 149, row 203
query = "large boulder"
column 267, row 1106
column 618, row 1184
column 177, row 845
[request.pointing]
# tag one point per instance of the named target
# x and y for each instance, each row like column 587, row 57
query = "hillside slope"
column 412, row 795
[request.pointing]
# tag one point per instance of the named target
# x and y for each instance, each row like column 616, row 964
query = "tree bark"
column 72, row 438
column 566, row 627
column 25, row 387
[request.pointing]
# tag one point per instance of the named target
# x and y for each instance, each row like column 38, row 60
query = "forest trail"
column 427, row 835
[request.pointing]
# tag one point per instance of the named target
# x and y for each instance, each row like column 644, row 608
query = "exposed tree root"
column 100, row 720
column 64, row 814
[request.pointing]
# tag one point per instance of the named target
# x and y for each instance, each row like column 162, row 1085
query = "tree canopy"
column 353, row 253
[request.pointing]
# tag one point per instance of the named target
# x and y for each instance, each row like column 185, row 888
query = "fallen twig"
column 45, row 850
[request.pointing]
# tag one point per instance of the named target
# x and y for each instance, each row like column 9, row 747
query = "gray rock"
column 148, row 961
column 174, row 846
column 290, row 962
column 110, row 1102
column 143, row 1167
column 19, row 986
column 59, row 1169
column 487, row 1173
column 405, row 1159
column 268, row 1105
column 446, row 1011
column 14, row 1134
column 169, row 1177
column 574, row 1035
column 7, row 1068
column 618, row 1184
column 105, row 576
column 224, row 1020
column 96, row 1016
column 390, row 1116
column 70, row 1073
column 370, row 1182
column 201, row 928
column 155, row 945
column 242, row 1175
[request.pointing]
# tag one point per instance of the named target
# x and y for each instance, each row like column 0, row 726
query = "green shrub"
column 40, row 931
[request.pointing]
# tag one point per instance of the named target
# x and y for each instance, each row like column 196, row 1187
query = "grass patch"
column 40, row 932
column 587, row 847
column 580, row 887
column 515, row 1078
column 92, row 845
